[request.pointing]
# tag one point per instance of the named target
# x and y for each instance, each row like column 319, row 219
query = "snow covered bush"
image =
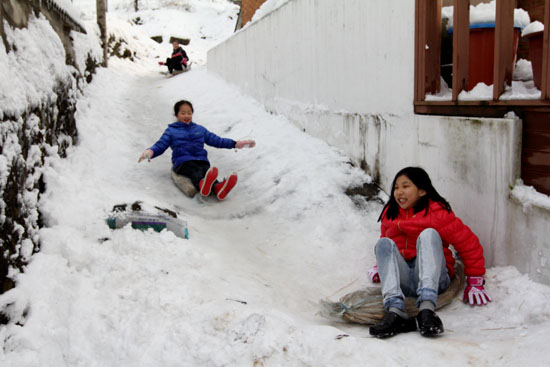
column 42, row 69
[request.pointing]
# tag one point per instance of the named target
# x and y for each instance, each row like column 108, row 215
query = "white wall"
column 527, row 242
column 343, row 71
column 343, row 55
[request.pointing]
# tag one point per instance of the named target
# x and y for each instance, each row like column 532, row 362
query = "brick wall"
column 248, row 8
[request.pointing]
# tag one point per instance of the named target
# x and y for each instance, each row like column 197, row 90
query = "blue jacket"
column 187, row 142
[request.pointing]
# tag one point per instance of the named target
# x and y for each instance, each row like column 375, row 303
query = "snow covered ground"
column 244, row 289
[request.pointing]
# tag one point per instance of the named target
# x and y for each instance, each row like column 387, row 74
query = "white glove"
column 147, row 154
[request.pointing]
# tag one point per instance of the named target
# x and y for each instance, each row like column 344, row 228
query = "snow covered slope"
column 244, row 289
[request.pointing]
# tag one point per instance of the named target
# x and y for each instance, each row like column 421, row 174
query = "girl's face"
column 185, row 114
column 406, row 193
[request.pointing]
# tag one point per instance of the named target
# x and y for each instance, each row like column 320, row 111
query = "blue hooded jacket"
column 187, row 142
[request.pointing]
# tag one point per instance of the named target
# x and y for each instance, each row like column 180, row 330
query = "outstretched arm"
column 239, row 144
column 147, row 154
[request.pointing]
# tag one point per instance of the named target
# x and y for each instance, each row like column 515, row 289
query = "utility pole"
column 101, row 9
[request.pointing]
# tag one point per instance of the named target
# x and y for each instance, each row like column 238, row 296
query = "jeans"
column 195, row 170
column 173, row 64
column 425, row 276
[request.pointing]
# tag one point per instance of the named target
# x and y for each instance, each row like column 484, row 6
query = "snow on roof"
column 485, row 13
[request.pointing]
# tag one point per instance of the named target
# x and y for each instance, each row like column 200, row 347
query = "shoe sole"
column 228, row 186
column 431, row 331
column 405, row 329
column 208, row 181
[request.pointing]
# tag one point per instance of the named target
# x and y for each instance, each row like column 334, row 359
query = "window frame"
column 427, row 62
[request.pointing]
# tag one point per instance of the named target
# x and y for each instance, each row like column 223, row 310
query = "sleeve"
column 162, row 144
column 218, row 142
column 466, row 243
column 383, row 224
column 382, row 229
column 177, row 55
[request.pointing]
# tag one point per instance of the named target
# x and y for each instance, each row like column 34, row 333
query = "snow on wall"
column 344, row 71
column 67, row 12
column 37, row 106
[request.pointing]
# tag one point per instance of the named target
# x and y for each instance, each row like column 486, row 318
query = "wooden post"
column 419, row 93
column 101, row 9
column 427, row 48
column 545, row 85
column 461, row 46
column 504, row 47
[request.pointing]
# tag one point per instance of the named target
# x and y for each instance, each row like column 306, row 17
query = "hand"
column 474, row 293
column 239, row 144
column 147, row 154
column 373, row 274
column 161, row 63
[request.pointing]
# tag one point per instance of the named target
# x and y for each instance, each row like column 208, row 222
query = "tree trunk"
column 101, row 8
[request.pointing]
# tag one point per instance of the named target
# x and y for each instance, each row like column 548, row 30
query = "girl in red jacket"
column 413, row 256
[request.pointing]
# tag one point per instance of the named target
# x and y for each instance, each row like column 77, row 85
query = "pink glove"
column 373, row 274
column 474, row 293
column 239, row 144
column 161, row 63
column 147, row 154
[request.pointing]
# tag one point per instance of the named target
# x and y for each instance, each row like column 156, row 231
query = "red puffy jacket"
column 405, row 229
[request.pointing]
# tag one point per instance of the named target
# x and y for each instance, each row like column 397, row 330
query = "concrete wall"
column 343, row 71
column 527, row 242
column 328, row 53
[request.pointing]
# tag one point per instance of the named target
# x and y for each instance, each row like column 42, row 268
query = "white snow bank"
column 266, row 8
column 529, row 196
column 532, row 27
column 35, row 63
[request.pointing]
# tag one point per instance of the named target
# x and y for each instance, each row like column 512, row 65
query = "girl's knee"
column 429, row 235
column 384, row 245
column 429, row 232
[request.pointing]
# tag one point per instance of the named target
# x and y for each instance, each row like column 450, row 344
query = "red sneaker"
column 223, row 188
column 206, row 183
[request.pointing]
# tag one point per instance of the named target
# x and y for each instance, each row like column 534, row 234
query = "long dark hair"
column 420, row 178
column 181, row 103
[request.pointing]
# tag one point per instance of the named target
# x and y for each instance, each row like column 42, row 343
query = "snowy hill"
column 243, row 290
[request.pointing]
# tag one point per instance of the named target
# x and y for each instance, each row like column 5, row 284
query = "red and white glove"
column 239, row 144
column 373, row 274
column 474, row 293
column 147, row 154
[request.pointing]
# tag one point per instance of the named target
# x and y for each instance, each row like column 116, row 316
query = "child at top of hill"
column 189, row 158
column 178, row 60
column 413, row 256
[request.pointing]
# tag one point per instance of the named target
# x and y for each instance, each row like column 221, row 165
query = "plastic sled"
column 144, row 217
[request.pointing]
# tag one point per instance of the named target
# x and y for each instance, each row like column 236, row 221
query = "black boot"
column 429, row 323
column 392, row 324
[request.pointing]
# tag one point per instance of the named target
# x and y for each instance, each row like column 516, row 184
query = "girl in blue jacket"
column 189, row 158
